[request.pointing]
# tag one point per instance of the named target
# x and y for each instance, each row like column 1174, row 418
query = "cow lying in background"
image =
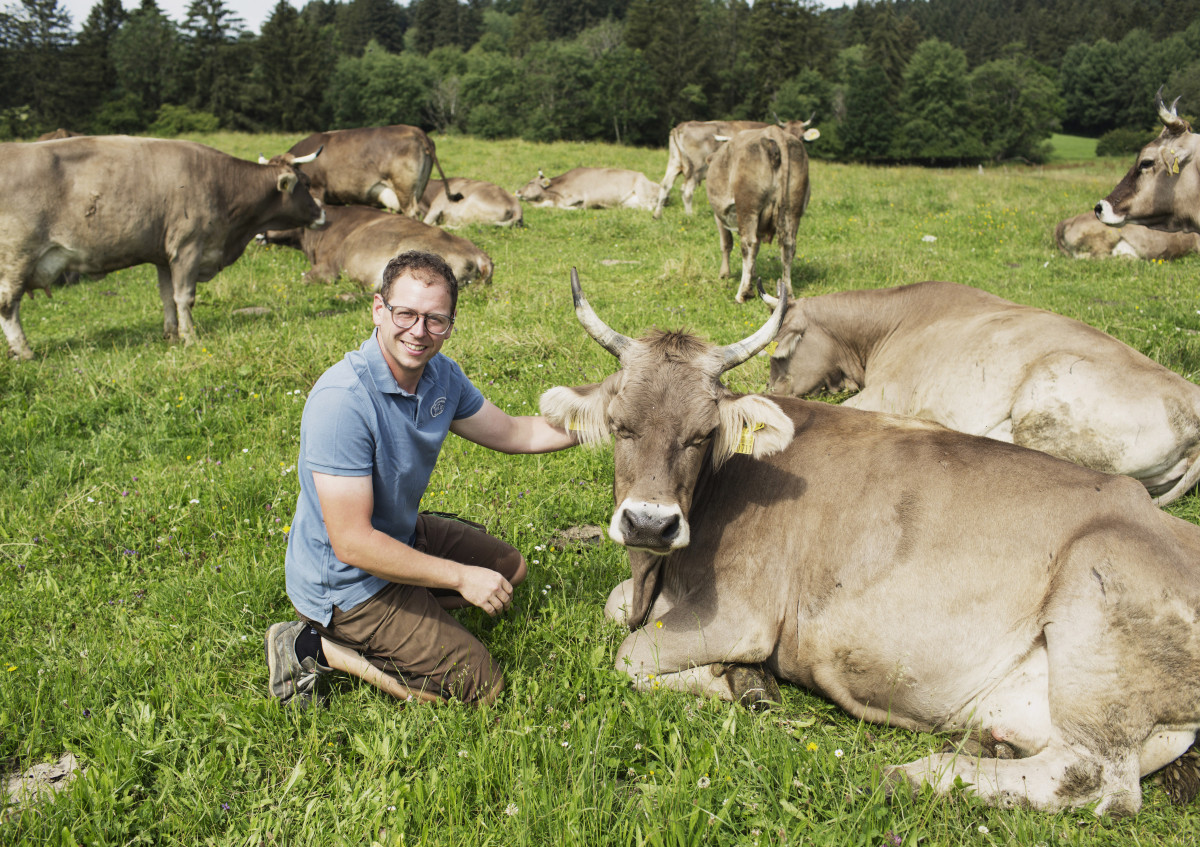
column 915, row 576
column 692, row 143
column 591, row 188
column 357, row 241
column 758, row 185
column 387, row 166
column 1085, row 237
column 982, row 365
column 56, row 134
column 97, row 204
column 481, row 203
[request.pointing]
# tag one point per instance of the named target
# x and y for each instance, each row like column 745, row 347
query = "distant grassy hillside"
column 1072, row 148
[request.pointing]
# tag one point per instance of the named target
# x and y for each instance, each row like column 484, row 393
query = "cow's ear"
column 582, row 409
column 287, row 182
column 752, row 425
column 812, row 134
column 1174, row 157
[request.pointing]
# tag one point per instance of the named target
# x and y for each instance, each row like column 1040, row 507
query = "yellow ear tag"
column 573, row 425
column 746, row 442
column 772, row 347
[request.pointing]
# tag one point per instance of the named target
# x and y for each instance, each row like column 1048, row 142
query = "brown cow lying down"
column 979, row 364
column 357, row 241
column 1085, row 237
column 591, row 188
column 481, row 203
column 101, row 203
column 915, row 576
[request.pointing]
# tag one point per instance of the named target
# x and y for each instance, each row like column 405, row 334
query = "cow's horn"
column 604, row 335
column 263, row 160
column 1169, row 117
column 766, row 298
column 304, row 160
column 735, row 354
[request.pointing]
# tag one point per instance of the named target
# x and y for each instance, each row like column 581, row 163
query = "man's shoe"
column 291, row 680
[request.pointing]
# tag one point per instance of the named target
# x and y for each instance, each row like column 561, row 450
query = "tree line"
column 937, row 81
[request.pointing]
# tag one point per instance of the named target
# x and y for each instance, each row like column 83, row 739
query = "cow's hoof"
column 1181, row 778
column 753, row 686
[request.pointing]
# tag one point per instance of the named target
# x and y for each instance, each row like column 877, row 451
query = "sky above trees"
column 253, row 12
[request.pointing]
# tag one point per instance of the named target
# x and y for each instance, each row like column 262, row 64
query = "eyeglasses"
column 407, row 318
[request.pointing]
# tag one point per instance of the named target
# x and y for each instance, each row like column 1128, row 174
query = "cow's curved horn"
column 1169, row 117
column 604, row 335
column 766, row 298
column 304, row 160
column 735, row 354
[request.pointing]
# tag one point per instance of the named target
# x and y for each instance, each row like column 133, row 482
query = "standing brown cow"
column 758, row 185
column 101, row 203
column 379, row 165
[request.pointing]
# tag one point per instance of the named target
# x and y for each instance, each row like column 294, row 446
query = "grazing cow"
column 982, row 365
column 692, row 143
column 915, row 576
column 758, row 185
column 1085, row 237
column 101, row 203
column 1161, row 190
column 482, row 202
column 378, row 165
column 591, row 188
column 358, row 241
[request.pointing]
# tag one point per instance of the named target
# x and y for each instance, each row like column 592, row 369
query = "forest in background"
column 924, row 81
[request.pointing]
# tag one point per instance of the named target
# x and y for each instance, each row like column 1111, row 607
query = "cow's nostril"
column 670, row 528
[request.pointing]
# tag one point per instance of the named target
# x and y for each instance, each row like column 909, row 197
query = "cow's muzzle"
column 1106, row 215
column 649, row 526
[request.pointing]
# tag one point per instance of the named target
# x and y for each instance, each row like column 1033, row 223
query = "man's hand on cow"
column 485, row 588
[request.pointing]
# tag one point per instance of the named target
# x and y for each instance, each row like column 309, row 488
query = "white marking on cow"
column 1104, row 211
column 1124, row 249
column 643, row 512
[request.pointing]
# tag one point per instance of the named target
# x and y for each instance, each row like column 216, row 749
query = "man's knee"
column 519, row 571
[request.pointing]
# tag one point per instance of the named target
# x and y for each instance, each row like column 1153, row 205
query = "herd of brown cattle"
column 968, row 545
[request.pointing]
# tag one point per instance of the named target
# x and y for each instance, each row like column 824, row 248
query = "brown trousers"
column 404, row 631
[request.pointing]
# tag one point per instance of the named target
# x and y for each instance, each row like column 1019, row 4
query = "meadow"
column 146, row 491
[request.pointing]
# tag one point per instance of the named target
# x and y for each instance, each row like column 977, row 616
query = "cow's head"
column 670, row 413
column 535, row 189
column 805, row 357
column 299, row 206
column 1162, row 189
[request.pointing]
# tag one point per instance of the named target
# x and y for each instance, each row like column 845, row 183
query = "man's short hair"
column 430, row 268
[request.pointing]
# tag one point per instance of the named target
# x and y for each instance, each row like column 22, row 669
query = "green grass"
column 145, row 490
column 1071, row 148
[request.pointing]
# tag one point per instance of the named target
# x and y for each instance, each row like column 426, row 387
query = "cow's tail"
column 452, row 196
column 782, row 206
column 1190, row 477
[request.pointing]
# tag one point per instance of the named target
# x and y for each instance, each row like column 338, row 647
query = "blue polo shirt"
column 358, row 422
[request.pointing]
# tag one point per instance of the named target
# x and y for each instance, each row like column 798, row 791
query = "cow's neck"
column 859, row 324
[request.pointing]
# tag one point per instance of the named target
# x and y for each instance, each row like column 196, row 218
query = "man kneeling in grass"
column 371, row 579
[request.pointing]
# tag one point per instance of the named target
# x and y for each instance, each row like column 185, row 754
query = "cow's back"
column 104, row 202
column 355, row 163
column 869, row 514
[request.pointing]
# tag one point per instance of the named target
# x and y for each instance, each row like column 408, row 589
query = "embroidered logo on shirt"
column 439, row 406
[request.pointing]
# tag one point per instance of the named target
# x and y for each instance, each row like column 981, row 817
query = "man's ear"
column 582, row 409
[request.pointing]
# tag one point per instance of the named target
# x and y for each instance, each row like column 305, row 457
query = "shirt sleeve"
column 470, row 398
column 337, row 433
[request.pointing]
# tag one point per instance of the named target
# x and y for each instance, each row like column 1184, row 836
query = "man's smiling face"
column 407, row 351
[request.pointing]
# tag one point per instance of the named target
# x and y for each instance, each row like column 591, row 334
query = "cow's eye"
column 622, row 432
column 1145, row 164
